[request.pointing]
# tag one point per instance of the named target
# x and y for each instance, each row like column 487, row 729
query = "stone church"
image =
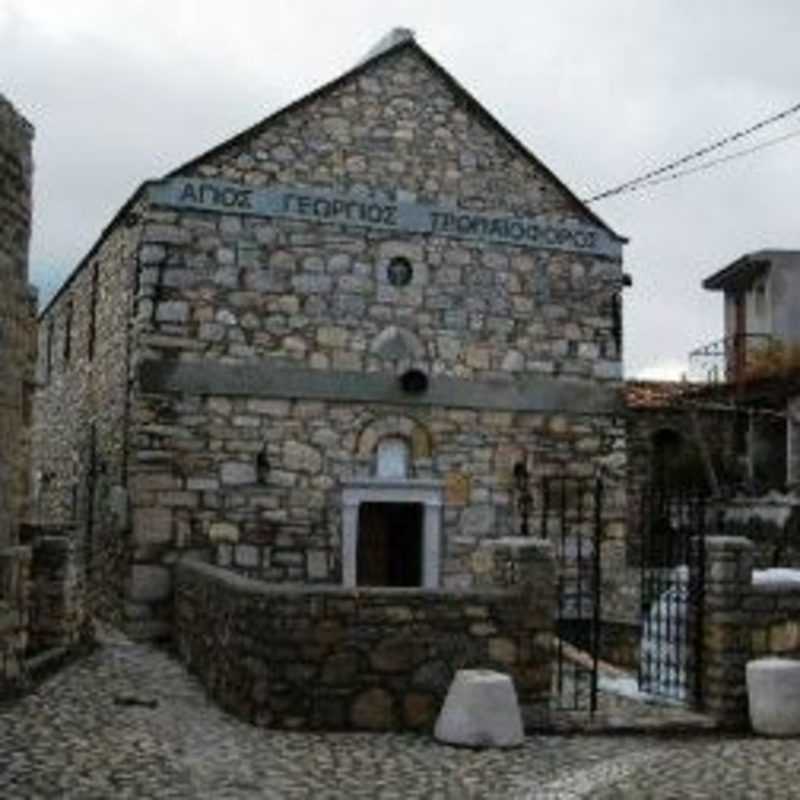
column 318, row 351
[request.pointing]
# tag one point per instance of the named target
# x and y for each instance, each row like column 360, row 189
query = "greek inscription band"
column 333, row 208
column 353, row 211
column 209, row 194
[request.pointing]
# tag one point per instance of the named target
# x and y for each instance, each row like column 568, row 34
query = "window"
column 616, row 320
column 48, row 350
column 92, row 313
column 68, row 333
column 400, row 271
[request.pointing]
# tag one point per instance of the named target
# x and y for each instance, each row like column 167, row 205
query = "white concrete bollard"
column 773, row 691
column 480, row 710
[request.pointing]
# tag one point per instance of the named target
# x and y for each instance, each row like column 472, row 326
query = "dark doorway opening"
column 389, row 544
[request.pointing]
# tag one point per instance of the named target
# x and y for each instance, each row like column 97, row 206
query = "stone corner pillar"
column 726, row 628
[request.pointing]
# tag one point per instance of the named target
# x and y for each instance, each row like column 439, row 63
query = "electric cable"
column 708, row 164
column 703, row 151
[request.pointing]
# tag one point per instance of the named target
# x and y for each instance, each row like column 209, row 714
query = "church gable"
column 384, row 222
column 396, row 124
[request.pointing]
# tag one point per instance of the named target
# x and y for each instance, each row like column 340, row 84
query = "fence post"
column 726, row 632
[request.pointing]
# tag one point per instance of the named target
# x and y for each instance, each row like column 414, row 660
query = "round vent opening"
column 414, row 381
column 399, row 272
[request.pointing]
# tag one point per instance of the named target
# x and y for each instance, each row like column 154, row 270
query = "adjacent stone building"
column 317, row 352
column 17, row 318
column 41, row 593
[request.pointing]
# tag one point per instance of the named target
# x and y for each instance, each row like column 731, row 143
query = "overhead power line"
column 647, row 177
column 715, row 162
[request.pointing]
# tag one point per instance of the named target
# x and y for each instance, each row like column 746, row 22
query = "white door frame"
column 427, row 493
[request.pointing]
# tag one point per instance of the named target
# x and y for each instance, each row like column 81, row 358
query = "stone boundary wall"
column 331, row 658
column 57, row 612
column 15, row 594
column 42, row 606
column 742, row 621
column 775, row 613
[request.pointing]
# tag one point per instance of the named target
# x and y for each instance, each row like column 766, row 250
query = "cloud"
column 120, row 92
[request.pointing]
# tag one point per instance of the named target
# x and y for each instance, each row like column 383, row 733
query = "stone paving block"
column 773, row 688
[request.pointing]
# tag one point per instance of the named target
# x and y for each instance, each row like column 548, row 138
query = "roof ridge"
column 396, row 40
column 387, row 42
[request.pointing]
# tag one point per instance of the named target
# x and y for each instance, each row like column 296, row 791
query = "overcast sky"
column 601, row 92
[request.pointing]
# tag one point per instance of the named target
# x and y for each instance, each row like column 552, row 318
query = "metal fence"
column 672, row 586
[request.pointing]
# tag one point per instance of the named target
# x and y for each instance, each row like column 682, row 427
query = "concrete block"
column 480, row 710
column 773, row 689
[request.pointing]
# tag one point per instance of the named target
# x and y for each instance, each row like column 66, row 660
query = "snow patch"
column 768, row 577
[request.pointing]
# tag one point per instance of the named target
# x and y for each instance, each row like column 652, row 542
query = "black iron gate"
column 570, row 516
column 673, row 528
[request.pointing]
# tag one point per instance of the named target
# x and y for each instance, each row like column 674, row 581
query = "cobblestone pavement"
column 70, row 739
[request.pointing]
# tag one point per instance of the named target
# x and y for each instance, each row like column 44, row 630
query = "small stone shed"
column 317, row 351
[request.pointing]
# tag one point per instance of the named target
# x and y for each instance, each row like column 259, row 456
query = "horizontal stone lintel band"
column 266, row 379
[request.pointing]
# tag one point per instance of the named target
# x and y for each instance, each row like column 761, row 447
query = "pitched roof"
column 397, row 40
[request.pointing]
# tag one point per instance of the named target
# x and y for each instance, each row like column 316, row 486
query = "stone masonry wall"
column 15, row 598
column 329, row 658
column 42, row 606
column 201, row 484
column 57, row 613
column 17, row 318
column 743, row 620
column 771, row 522
column 81, row 412
column 234, row 287
column 775, row 615
column 230, row 288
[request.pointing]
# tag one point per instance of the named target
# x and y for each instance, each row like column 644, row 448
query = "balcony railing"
column 728, row 360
